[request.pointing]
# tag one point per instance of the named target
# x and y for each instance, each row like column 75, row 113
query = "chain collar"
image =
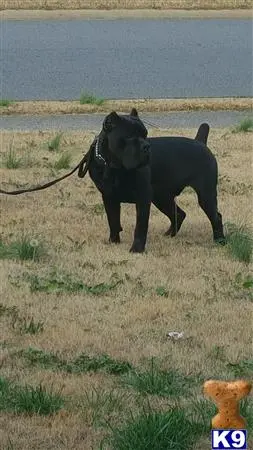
column 97, row 154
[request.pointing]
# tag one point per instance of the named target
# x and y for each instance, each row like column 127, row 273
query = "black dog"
column 128, row 167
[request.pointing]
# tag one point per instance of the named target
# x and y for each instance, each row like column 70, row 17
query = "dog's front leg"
column 112, row 208
column 141, row 229
column 143, row 203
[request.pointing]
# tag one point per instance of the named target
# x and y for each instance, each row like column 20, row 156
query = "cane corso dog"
column 128, row 167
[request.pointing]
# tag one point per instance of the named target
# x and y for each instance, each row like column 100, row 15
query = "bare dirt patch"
column 126, row 4
column 143, row 105
column 183, row 284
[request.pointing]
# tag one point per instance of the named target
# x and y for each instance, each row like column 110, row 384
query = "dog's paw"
column 137, row 247
column 175, row 227
column 220, row 241
column 170, row 232
column 115, row 239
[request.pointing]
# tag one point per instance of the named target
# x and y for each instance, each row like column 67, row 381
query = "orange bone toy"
column 227, row 395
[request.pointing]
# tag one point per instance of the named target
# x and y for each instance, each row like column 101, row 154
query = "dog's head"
column 125, row 137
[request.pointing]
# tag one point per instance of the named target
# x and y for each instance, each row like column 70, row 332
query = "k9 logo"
column 229, row 439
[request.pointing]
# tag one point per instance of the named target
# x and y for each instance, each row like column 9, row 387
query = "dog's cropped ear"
column 134, row 112
column 111, row 121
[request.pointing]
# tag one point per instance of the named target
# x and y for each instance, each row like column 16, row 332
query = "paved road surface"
column 125, row 59
column 94, row 121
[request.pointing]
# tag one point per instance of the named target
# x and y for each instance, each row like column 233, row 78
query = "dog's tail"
column 202, row 133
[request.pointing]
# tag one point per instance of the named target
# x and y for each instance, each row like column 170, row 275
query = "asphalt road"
column 125, row 59
column 93, row 122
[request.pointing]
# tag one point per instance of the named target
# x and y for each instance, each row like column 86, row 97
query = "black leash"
column 83, row 167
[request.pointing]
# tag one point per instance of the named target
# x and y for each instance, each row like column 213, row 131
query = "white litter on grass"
column 175, row 335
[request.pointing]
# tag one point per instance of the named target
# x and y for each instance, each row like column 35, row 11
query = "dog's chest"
column 118, row 183
column 124, row 185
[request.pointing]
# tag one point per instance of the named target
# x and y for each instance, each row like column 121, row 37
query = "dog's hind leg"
column 112, row 208
column 207, row 199
column 176, row 215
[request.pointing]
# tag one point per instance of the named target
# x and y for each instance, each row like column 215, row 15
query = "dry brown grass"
column 130, row 322
column 116, row 14
column 143, row 105
column 125, row 4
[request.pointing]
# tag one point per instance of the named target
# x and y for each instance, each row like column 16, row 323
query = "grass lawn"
column 84, row 354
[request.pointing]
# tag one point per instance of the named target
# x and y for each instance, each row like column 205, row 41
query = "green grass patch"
column 201, row 411
column 241, row 369
column 245, row 126
column 245, row 282
column 98, row 209
column 83, row 363
column 218, row 352
column 23, row 324
column 244, row 285
column 54, row 144
column 90, row 99
column 100, row 405
column 58, row 284
column 10, row 445
column 27, row 325
column 154, row 381
column 176, row 429
column 25, row 248
column 7, row 310
column 246, row 410
column 43, row 359
column 162, row 291
column 171, row 430
column 28, row 399
column 104, row 363
column 11, row 161
column 63, row 162
column 4, row 102
column 240, row 242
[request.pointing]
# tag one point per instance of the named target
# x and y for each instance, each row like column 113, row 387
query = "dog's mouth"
column 136, row 153
column 132, row 158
